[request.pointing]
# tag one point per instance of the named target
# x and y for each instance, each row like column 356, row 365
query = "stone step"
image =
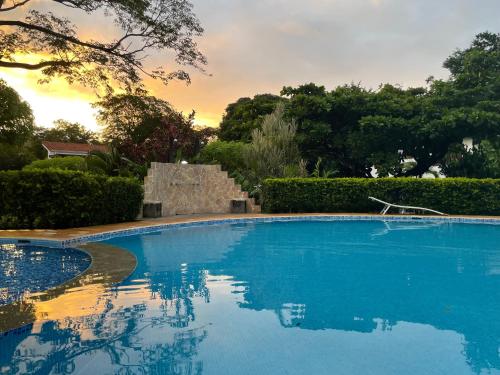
column 252, row 207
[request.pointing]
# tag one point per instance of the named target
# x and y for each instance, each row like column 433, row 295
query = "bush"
column 62, row 199
column 13, row 157
column 230, row 155
column 451, row 195
column 70, row 163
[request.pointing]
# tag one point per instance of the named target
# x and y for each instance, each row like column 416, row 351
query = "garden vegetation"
column 464, row 196
column 54, row 198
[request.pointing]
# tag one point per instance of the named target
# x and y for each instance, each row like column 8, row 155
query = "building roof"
column 63, row 147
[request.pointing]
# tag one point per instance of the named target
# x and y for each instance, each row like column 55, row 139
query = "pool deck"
column 72, row 233
column 110, row 265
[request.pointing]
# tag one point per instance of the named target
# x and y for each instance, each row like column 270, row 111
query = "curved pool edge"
column 109, row 265
column 141, row 227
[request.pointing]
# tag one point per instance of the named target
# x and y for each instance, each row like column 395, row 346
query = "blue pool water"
column 285, row 298
column 28, row 269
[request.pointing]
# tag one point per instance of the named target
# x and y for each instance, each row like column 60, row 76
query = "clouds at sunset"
column 259, row 46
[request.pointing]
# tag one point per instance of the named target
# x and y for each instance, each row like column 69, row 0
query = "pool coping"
column 109, row 265
column 78, row 236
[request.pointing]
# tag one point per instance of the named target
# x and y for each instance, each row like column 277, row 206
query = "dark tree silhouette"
column 145, row 25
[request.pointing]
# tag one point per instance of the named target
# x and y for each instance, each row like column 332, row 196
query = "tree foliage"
column 66, row 131
column 145, row 26
column 13, row 157
column 246, row 114
column 16, row 118
column 273, row 151
column 132, row 117
column 401, row 131
column 145, row 128
column 481, row 162
column 16, row 128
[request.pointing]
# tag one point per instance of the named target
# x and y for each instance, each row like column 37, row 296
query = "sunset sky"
column 260, row 46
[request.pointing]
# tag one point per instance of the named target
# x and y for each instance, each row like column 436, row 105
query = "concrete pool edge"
column 77, row 236
column 110, row 265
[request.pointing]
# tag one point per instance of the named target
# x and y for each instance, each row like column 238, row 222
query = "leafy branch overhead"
column 145, row 26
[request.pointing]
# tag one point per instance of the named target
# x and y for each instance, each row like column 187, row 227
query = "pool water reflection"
column 286, row 298
column 26, row 269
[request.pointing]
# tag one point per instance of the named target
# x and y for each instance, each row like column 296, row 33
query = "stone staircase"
column 193, row 189
column 237, row 192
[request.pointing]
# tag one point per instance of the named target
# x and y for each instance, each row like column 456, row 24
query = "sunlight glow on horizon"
column 52, row 101
column 59, row 100
column 259, row 47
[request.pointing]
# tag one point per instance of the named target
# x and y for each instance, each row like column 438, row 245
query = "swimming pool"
column 28, row 269
column 303, row 297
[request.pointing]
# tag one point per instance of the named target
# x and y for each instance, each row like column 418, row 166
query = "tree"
column 132, row 117
column 273, row 151
column 66, row 131
column 14, row 157
column 114, row 164
column 481, row 162
column 246, row 114
column 477, row 65
column 145, row 25
column 16, row 128
column 391, row 132
column 145, row 128
column 167, row 143
column 325, row 121
column 403, row 132
column 16, row 118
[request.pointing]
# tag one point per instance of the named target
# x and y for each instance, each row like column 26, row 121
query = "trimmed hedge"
column 451, row 195
column 69, row 163
column 62, row 199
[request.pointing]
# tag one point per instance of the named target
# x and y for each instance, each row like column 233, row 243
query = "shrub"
column 451, row 195
column 13, row 157
column 228, row 154
column 71, row 163
column 273, row 151
column 61, row 199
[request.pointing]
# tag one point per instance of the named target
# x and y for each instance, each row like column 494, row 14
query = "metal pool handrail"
column 387, row 206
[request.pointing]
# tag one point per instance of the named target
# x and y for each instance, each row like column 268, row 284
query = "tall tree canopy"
column 16, row 129
column 16, row 118
column 132, row 116
column 145, row 25
column 352, row 129
column 245, row 115
column 146, row 128
column 273, row 151
column 66, row 131
column 465, row 105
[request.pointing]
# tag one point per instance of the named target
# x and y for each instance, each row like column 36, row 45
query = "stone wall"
column 192, row 189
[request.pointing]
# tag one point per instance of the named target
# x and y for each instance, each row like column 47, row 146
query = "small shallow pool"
column 311, row 297
column 27, row 269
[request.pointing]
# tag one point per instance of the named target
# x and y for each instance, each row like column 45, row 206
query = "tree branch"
column 48, row 31
column 40, row 65
column 16, row 5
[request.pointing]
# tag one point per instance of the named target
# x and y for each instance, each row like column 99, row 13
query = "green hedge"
column 69, row 163
column 63, row 199
column 451, row 195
